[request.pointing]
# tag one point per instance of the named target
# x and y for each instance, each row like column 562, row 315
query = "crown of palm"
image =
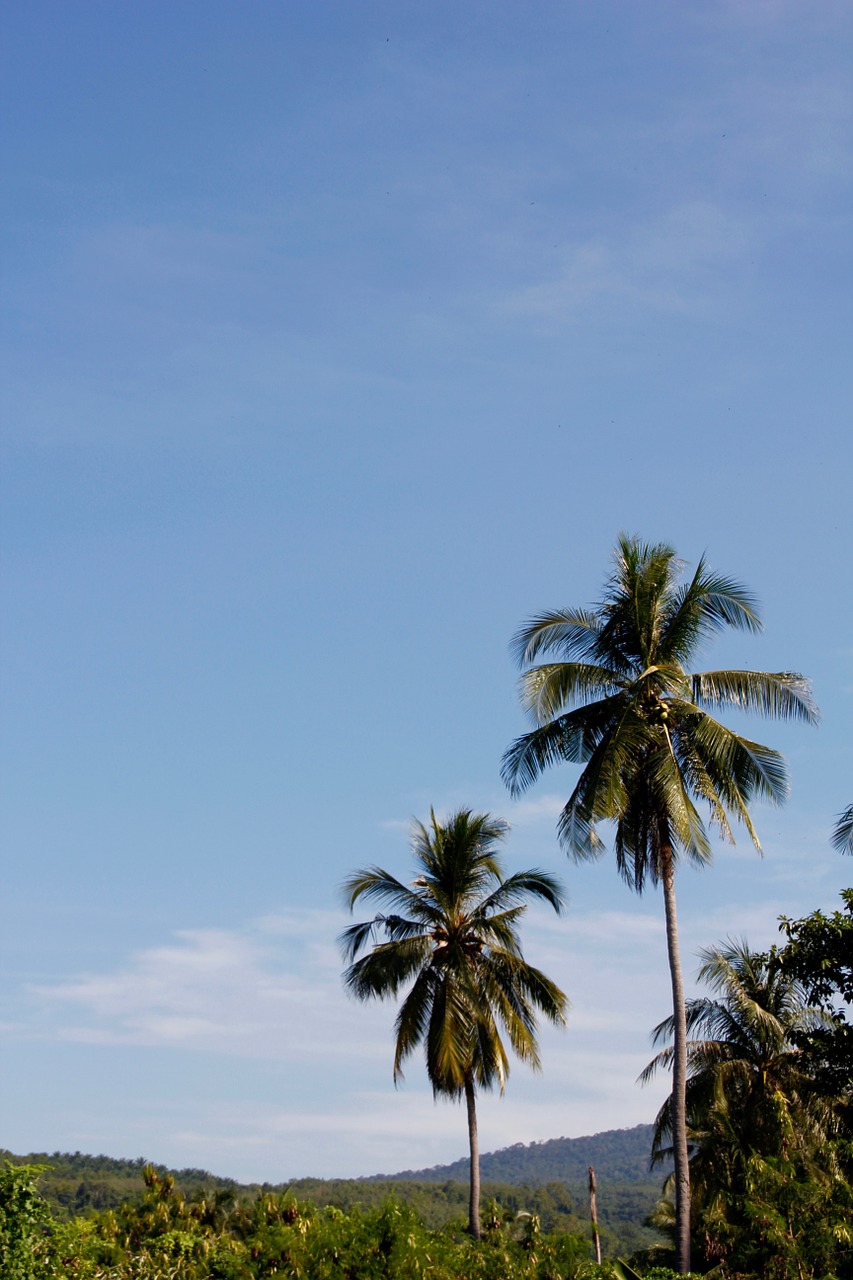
column 620, row 700
column 452, row 935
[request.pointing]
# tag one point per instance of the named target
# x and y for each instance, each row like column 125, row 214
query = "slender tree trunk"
column 474, row 1148
column 679, row 1074
column 593, row 1216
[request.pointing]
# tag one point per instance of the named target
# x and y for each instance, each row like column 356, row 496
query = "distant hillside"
column 547, row 1178
column 619, row 1155
column 76, row 1183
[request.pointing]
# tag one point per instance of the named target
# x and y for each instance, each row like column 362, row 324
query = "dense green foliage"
column 166, row 1236
column 74, row 1183
column 770, row 1151
column 546, row 1178
column 23, row 1214
column 819, row 954
column 627, row 1191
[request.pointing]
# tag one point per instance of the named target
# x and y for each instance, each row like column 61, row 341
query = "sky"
column 338, row 340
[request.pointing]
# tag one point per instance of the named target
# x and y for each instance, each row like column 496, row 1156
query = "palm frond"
column 842, row 836
column 739, row 767
column 783, row 695
column 505, row 1005
column 570, row 632
column 386, row 968
column 550, row 690
column 356, row 937
column 569, row 738
column 519, row 887
column 601, row 792
column 671, row 796
column 449, row 1036
column 374, row 883
column 491, row 1062
column 498, row 931
column 706, row 604
column 413, row 1018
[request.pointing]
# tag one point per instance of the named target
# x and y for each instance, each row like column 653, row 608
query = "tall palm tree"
column 751, row 1100
column 620, row 701
column 454, row 938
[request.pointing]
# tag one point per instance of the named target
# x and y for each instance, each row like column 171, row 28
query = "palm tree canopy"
column 451, row 937
column 746, row 1076
column 618, row 697
column 767, row 1145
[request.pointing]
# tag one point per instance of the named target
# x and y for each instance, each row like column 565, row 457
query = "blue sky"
column 338, row 340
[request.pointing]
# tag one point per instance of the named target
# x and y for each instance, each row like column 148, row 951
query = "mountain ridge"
column 619, row 1155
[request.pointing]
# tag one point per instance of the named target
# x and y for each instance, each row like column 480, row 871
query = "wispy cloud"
column 271, row 990
column 270, row 993
column 670, row 263
column 525, row 813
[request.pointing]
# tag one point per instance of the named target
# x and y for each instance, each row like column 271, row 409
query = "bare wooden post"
column 593, row 1215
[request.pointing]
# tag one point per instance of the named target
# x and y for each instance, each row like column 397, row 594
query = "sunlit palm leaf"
column 572, row 633
column 548, row 691
column 784, row 695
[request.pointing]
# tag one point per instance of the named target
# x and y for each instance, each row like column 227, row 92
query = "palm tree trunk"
column 474, row 1148
column 679, row 1073
column 593, row 1216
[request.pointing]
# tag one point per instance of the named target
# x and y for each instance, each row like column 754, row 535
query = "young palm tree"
column 751, row 1102
column 620, row 701
column 455, row 941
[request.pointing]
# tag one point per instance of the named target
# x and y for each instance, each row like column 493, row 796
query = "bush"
column 23, row 1215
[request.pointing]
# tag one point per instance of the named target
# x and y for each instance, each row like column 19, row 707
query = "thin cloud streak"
column 673, row 263
column 227, row 992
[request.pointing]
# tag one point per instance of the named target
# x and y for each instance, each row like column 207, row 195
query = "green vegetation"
column 547, row 1179
column 166, row 1236
column 23, row 1214
column 457, row 944
column 819, row 954
column 770, row 1162
column 620, row 701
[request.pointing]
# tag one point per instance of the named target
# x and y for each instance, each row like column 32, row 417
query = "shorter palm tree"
column 751, row 1103
column 453, row 940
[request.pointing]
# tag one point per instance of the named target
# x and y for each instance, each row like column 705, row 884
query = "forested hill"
column 618, row 1155
column 519, row 1177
